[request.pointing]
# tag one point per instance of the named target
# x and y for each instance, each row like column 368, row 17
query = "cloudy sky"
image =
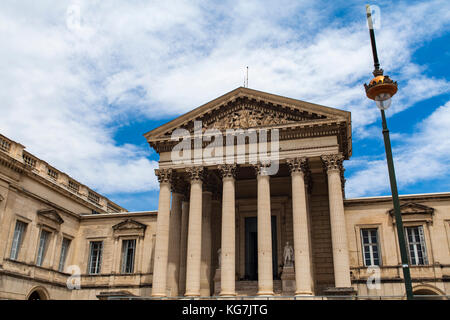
column 82, row 81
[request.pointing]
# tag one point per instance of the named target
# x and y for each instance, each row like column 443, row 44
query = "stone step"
column 250, row 288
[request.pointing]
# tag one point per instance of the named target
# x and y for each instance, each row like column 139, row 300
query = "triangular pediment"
column 413, row 208
column 50, row 214
column 247, row 108
column 129, row 224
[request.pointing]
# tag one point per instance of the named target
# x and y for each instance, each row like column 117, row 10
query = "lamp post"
column 381, row 89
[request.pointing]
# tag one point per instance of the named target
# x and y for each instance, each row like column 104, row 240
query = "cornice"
column 444, row 196
column 45, row 201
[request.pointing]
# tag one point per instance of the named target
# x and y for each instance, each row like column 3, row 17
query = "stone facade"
column 66, row 209
column 221, row 227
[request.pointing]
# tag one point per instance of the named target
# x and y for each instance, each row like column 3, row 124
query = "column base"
column 159, row 295
column 227, row 294
column 188, row 294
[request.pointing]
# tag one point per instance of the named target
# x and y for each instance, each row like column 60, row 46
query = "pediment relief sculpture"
column 247, row 115
column 249, row 118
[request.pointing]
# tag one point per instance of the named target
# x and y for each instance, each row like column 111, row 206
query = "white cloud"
column 65, row 89
column 423, row 156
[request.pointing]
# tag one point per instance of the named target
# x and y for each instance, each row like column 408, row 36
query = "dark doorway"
column 251, row 248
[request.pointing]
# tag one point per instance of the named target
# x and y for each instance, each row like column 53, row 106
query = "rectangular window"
column 19, row 232
column 128, row 250
column 95, row 257
column 62, row 258
column 416, row 246
column 371, row 252
column 43, row 241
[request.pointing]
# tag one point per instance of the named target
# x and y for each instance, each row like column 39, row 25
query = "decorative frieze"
column 164, row 175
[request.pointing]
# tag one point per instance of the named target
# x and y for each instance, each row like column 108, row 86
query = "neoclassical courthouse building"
column 223, row 228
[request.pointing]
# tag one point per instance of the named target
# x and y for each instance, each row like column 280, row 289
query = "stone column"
column 194, row 245
column 205, row 269
column 333, row 166
column 228, row 242
column 302, row 258
column 265, row 270
column 173, row 268
column 183, row 246
column 162, row 233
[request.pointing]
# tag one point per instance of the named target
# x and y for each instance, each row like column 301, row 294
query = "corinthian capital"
column 164, row 175
column 262, row 168
column 227, row 170
column 196, row 173
column 298, row 165
column 333, row 162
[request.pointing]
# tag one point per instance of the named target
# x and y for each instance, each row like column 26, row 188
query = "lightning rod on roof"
column 246, row 79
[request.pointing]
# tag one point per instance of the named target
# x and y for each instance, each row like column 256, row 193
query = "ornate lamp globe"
column 381, row 89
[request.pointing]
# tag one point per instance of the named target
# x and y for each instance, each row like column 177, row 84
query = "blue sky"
column 83, row 80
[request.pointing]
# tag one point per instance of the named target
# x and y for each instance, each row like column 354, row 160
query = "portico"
column 235, row 203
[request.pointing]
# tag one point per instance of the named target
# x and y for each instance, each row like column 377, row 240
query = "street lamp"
column 381, row 89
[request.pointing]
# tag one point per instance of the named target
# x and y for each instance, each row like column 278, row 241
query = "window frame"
column 423, row 246
column 98, row 258
column 16, row 244
column 371, row 245
column 42, row 250
column 64, row 253
column 124, row 256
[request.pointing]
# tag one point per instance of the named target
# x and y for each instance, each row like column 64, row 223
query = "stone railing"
column 5, row 145
column 50, row 174
column 29, row 160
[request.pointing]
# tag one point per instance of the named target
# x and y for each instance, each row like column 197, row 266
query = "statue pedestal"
column 288, row 280
column 217, row 286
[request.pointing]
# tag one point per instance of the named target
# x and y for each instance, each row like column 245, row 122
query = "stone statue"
column 219, row 257
column 288, row 255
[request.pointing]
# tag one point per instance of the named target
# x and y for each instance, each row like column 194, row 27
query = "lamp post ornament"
column 381, row 89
